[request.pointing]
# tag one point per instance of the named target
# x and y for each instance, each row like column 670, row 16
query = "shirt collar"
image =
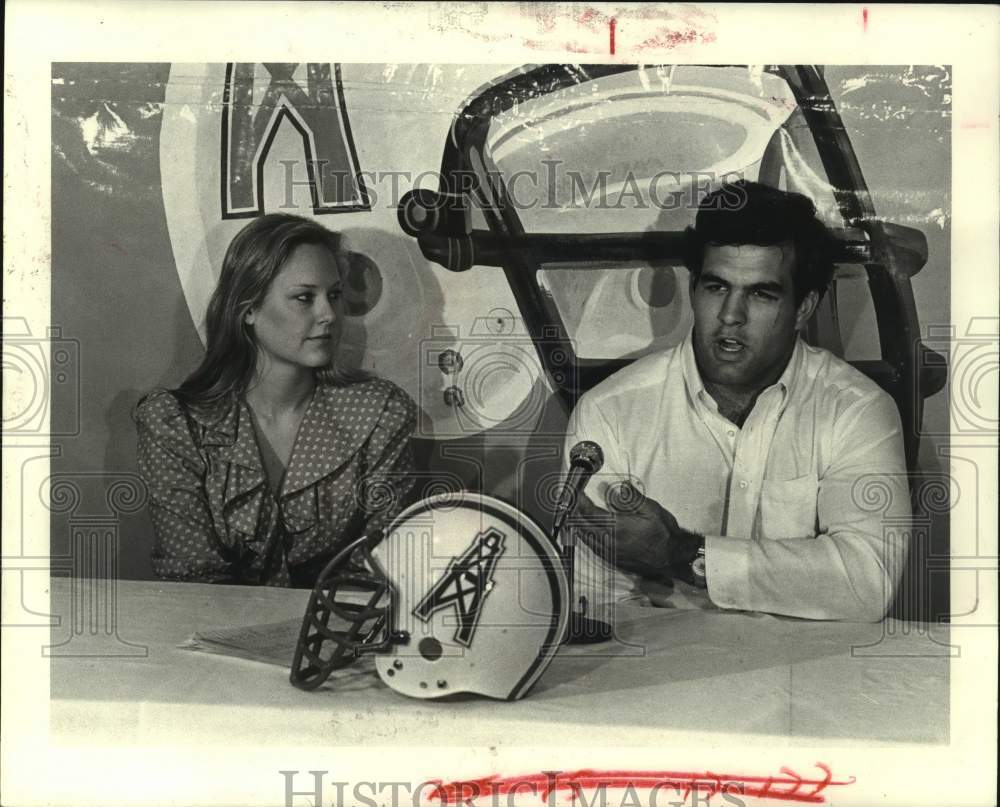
column 346, row 416
column 229, row 428
column 696, row 387
column 692, row 378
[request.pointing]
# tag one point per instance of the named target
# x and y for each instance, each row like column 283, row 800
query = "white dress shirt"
column 805, row 509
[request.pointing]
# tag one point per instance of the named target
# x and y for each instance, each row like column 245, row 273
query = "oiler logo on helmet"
column 465, row 585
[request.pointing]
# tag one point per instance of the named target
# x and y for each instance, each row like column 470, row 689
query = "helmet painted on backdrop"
column 465, row 594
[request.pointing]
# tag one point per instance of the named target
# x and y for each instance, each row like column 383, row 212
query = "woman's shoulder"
column 159, row 407
column 159, row 416
column 378, row 395
column 163, row 412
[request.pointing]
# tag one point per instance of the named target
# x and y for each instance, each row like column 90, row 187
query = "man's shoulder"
column 644, row 376
column 835, row 380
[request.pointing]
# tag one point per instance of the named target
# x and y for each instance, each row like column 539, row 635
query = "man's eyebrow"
column 769, row 285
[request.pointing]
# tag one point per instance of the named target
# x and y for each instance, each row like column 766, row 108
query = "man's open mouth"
column 729, row 345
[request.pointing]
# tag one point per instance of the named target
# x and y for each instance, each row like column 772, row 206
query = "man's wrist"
column 685, row 548
column 682, row 548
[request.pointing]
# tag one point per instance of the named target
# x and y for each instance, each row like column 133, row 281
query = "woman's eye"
column 336, row 294
column 305, row 297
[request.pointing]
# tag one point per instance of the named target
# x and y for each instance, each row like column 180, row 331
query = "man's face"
column 745, row 316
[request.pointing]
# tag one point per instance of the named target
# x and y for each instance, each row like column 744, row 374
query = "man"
column 756, row 463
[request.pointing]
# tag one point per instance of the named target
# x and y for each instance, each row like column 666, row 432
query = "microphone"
column 585, row 460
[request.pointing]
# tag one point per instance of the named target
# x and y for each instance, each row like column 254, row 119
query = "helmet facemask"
column 352, row 592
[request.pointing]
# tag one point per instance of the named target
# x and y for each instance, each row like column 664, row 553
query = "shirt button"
column 743, row 483
column 732, row 433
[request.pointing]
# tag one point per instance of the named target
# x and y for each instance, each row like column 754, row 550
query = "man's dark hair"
column 750, row 213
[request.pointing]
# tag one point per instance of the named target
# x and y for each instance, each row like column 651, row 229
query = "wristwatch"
column 689, row 560
column 698, row 577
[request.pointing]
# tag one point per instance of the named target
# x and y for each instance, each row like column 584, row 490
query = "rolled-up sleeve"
column 185, row 546
column 849, row 570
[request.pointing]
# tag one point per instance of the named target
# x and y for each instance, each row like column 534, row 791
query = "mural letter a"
column 251, row 116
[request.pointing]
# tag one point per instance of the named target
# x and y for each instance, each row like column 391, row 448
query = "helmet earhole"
column 430, row 648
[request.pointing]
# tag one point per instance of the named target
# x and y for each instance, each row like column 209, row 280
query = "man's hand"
column 637, row 534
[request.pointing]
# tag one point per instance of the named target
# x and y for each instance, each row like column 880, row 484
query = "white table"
column 685, row 670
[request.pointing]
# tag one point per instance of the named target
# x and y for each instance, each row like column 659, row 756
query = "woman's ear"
column 249, row 317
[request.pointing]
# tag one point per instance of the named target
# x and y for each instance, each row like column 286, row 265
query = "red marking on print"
column 788, row 786
column 588, row 29
column 671, row 39
column 671, row 29
column 864, row 18
column 569, row 47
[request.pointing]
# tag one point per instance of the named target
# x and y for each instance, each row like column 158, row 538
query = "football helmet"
column 463, row 594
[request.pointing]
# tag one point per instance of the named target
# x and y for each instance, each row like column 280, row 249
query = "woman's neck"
column 280, row 390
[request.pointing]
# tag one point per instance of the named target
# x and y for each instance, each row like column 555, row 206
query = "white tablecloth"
column 689, row 670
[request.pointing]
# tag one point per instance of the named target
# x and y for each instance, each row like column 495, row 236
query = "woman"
column 268, row 459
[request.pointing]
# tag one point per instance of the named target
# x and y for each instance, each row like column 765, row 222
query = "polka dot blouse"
column 215, row 516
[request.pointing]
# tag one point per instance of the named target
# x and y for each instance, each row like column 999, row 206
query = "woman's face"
column 299, row 320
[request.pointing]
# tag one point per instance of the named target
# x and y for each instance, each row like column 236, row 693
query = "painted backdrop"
column 156, row 166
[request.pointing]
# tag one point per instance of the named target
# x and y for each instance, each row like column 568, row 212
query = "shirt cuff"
column 727, row 571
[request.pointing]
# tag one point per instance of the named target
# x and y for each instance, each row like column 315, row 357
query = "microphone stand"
column 582, row 628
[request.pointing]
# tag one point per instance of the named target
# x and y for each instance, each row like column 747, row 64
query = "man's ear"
column 806, row 308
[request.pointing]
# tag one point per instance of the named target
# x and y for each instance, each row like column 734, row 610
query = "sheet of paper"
column 273, row 643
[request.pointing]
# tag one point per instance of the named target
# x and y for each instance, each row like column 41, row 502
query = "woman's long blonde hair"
column 253, row 259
